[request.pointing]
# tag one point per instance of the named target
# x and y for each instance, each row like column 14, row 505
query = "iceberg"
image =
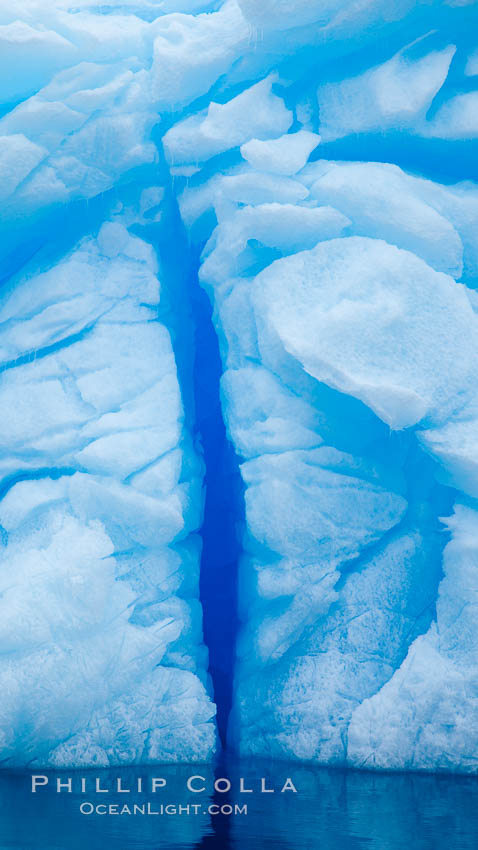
column 238, row 373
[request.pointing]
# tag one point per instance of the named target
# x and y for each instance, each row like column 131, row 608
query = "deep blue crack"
column 188, row 311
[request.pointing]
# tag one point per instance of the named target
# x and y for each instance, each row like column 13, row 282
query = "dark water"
column 332, row 810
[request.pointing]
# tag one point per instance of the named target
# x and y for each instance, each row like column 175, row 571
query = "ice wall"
column 322, row 165
column 343, row 281
column 102, row 654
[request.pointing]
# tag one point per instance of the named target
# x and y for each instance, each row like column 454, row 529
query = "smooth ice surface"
column 231, row 215
column 351, row 313
column 285, row 155
column 332, row 807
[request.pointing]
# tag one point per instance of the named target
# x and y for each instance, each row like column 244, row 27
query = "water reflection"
column 332, row 810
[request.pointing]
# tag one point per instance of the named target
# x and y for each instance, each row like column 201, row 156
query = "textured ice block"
column 102, row 655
